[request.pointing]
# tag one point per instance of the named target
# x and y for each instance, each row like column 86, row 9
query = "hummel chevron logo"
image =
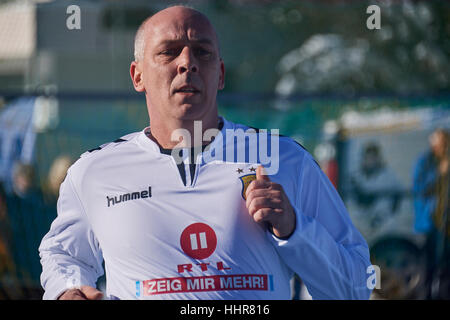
column 113, row 200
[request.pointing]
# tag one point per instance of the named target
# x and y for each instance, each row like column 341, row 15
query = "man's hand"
column 83, row 293
column 266, row 201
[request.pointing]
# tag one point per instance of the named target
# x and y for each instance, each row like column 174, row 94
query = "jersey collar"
column 149, row 145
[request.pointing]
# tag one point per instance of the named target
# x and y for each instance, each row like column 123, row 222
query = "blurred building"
column 307, row 47
column 39, row 51
column 18, row 39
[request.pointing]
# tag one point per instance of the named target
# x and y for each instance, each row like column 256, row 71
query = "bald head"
column 153, row 24
column 179, row 68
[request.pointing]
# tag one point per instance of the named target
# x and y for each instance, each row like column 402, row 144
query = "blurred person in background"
column 56, row 175
column 375, row 207
column 25, row 209
column 7, row 269
column 431, row 196
column 375, row 188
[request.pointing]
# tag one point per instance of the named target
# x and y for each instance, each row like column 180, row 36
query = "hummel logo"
column 129, row 196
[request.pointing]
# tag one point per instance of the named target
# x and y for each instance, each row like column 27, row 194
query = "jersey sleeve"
column 70, row 253
column 325, row 249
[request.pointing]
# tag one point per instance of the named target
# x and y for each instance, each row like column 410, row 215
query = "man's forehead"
column 177, row 31
column 180, row 24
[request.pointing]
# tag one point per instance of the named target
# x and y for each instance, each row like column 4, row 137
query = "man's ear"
column 136, row 77
column 222, row 75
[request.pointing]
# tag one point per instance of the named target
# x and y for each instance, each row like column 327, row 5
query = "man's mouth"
column 187, row 90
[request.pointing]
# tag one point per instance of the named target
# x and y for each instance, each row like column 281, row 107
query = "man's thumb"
column 261, row 174
column 91, row 293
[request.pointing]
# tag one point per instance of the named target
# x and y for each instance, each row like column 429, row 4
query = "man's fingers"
column 257, row 184
column 266, row 214
column 73, row 294
column 261, row 174
column 263, row 203
column 83, row 293
column 78, row 297
column 267, row 203
column 255, row 193
column 91, row 293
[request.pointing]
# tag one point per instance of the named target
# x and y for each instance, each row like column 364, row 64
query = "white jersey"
column 126, row 205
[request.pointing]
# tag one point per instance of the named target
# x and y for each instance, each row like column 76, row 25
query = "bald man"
column 185, row 209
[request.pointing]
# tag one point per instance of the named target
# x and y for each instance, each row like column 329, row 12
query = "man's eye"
column 202, row 52
column 168, row 52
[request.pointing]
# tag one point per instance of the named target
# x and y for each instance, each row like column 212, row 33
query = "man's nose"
column 187, row 62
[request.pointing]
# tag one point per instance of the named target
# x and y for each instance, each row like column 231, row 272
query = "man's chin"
column 189, row 112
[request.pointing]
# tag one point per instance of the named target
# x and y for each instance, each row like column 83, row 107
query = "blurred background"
column 364, row 102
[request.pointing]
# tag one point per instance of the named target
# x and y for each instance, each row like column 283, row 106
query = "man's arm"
column 70, row 254
column 325, row 249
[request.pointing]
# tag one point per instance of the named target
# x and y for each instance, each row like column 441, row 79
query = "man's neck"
column 181, row 133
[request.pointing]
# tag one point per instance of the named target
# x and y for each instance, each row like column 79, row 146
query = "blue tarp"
column 17, row 137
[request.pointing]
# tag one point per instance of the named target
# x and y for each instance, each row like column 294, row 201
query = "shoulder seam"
column 108, row 143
